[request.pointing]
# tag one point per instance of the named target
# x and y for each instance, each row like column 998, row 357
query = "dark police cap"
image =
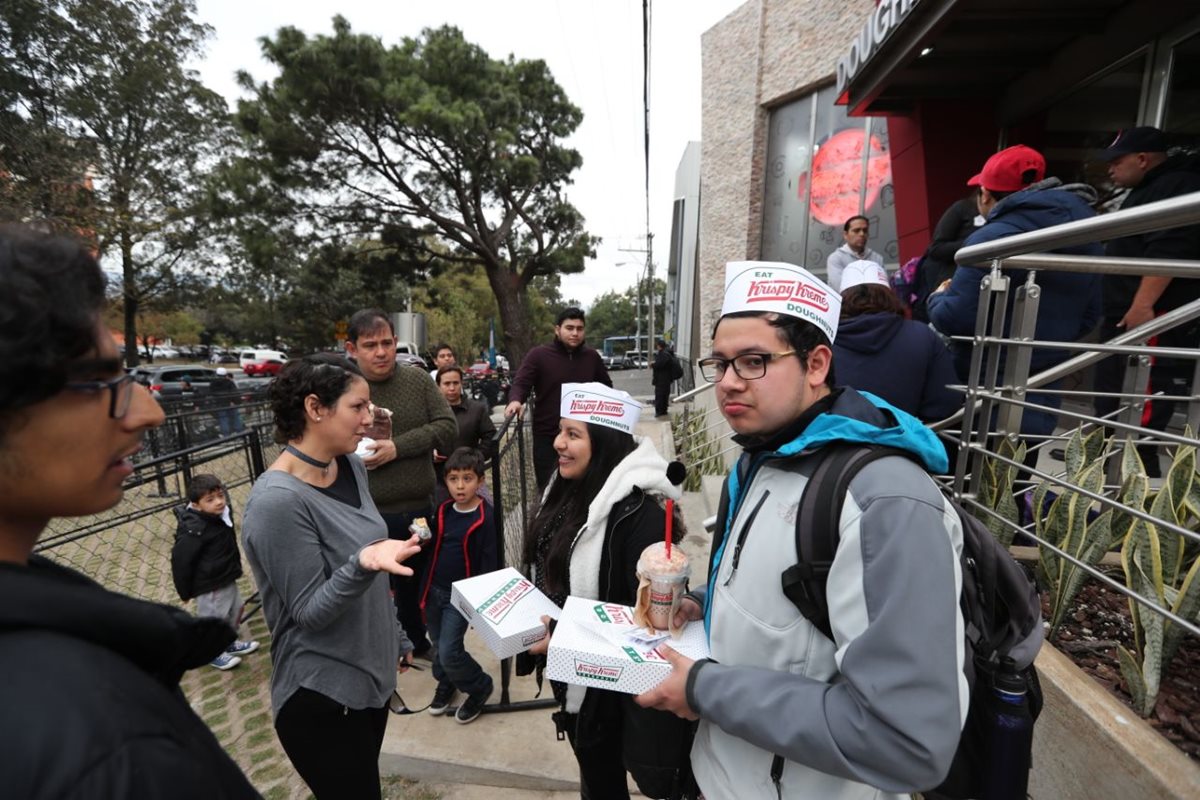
column 1144, row 139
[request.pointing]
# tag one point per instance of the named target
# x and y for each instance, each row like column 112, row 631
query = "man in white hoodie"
column 855, row 231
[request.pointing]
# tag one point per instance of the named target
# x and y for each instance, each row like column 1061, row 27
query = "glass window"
column 1084, row 122
column 1183, row 90
column 785, row 191
column 823, row 167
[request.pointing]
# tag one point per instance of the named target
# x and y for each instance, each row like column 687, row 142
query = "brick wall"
column 764, row 53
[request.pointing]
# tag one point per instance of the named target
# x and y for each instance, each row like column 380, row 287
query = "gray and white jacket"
column 843, row 257
column 877, row 712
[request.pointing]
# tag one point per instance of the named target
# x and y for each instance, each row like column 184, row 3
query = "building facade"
column 813, row 110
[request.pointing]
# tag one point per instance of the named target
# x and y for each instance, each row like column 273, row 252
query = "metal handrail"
column 1173, row 212
column 688, row 395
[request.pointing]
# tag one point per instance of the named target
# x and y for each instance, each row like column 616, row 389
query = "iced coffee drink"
column 662, row 583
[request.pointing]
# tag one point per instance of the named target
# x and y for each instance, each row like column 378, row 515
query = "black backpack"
column 1000, row 605
column 676, row 368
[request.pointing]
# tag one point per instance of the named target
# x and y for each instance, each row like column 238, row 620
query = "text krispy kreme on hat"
column 600, row 405
column 783, row 289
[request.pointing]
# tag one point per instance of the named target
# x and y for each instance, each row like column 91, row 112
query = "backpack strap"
column 818, row 523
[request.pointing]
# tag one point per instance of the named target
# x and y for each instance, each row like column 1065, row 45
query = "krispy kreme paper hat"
column 860, row 272
column 600, row 405
column 783, row 289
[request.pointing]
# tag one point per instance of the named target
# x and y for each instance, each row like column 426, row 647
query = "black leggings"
column 335, row 750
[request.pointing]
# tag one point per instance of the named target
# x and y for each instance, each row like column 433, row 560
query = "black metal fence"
column 128, row 547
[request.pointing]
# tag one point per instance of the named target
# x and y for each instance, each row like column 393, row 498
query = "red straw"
column 670, row 521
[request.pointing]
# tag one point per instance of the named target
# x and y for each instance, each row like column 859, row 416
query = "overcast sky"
column 593, row 49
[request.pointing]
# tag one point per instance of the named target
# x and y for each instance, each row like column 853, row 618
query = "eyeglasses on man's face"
column 747, row 366
column 119, row 400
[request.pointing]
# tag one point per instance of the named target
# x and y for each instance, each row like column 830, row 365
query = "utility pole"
column 650, row 291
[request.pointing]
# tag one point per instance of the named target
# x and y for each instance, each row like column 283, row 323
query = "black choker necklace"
column 307, row 459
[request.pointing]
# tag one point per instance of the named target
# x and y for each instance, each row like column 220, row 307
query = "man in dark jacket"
column 663, row 366
column 543, row 372
column 1016, row 198
column 90, row 688
column 475, row 427
column 1137, row 160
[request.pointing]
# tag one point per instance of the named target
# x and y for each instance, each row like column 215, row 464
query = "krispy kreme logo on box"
column 608, row 612
column 496, row 607
column 598, row 672
column 604, row 408
column 776, row 290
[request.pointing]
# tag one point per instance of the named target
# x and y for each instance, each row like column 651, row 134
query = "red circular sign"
column 837, row 177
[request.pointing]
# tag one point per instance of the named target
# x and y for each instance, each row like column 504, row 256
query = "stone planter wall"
column 1087, row 744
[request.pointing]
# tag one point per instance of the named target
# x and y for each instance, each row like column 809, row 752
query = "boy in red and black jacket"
column 464, row 545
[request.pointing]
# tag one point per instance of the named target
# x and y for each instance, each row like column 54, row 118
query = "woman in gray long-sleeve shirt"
column 317, row 547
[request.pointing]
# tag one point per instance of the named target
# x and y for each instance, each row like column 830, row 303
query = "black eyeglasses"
column 122, row 393
column 747, row 366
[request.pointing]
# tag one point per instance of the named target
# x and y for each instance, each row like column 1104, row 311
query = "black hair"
column 326, row 375
column 443, row 370
column 846, row 225
column 570, row 312
column 53, row 293
column 440, row 346
column 870, row 298
column 566, row 504
column 201, row 485
column 801, row 336
column 464, row 458
column 368, row 320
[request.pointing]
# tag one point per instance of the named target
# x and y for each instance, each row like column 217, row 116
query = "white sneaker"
column 241, row 648
column 224, row 662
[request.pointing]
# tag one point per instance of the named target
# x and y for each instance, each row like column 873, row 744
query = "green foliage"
column 1161, row 569
column 1066, row 525
column 117, row 133
column 700, row 453
column 995, row 491
column 429, row 139
column 615, row 314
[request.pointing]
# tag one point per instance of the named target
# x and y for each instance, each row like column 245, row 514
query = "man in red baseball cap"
column 1016, row 197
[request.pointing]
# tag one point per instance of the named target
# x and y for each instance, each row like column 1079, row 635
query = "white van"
column 258, row 356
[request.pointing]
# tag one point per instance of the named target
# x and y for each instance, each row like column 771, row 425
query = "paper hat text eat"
column 783, row 289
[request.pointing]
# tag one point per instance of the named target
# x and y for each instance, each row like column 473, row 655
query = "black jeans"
column 662, row 398
column 406, row 589
column 545, row 458
column 335, row 749
column 1171, row 376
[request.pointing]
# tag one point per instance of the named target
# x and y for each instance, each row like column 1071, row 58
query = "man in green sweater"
column 401, row 476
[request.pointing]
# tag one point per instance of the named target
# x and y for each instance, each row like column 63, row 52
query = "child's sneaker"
column 472, row 707
column 224, row 662
column 241, row 648
column 441, row 699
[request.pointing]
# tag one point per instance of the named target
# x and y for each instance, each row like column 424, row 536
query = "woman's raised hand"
column 542, row 646
column 386, row 555
column 689, row 611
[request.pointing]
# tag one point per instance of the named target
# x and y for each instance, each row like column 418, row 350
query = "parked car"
column 617, row 362
column 261, row 368
column 168, row 381
column 258, row 356
column 412, row 360
column 480, row 369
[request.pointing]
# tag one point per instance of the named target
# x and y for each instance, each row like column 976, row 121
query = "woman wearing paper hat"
column 879, row 351
column 602, row 508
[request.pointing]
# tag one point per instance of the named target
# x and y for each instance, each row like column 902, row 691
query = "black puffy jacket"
column 205, row 556
column 91, row 698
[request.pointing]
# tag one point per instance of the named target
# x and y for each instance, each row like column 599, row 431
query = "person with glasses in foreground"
column 785, row 711
column 319, row 551
column 90, row 686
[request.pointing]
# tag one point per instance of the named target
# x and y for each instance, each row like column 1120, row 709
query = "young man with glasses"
column 784, row 711
column 90, row 686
